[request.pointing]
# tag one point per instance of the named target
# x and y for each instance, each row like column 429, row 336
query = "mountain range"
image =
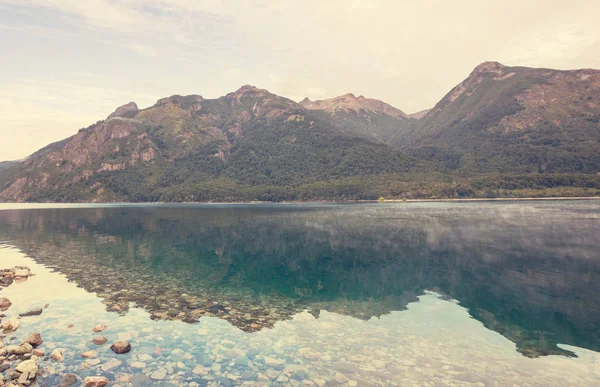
column 503, row 131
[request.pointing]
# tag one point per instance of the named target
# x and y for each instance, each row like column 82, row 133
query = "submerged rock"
column 159, row 374
column 89, row 354
column 340, row 378
column 39, row 352
column 111, row 364
column 33, row 312
column 28, row 366
column 68, row 380
column 95, row 381
column 99, row 328
column 19, row 349
column 12, row 324
column 4, row 303
column 35, row 339
column 121, row 347
column 57, row 355
column 99, row 340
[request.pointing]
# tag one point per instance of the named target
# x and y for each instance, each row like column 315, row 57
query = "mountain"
column 249, row 144
column 513, row 120
column 7, row 164
column 419, row 115
column 367, row 117
column 502, row 132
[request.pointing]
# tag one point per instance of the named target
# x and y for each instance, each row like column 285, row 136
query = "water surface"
column 377, row 294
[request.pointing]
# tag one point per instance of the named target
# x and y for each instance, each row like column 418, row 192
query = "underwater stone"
column 89, row 354
column 68, row 380
column 57, row 355
column 5, row 303
column 99, row 328
column 95, row 381
column 28, row 366
column 33, row 312
column 35, row 339
column 121, row 347
column 99, row 340
column 12, row 324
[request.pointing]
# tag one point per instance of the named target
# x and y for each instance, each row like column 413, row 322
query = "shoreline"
column 29, row 205
column 493, row 199
column 18, row 205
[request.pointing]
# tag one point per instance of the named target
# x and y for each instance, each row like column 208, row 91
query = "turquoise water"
column 377, row 294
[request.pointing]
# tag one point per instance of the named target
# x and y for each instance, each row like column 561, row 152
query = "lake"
column 483, row 293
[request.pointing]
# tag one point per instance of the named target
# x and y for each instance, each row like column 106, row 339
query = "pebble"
column 57, row 355
column 28, row 366
column 93, row 362
column 38, row 352
column 340, row 378
column 111, row 364
column 89, row 354
column 95, row 381
column 68, row 380
column 12, row 324
column 271, row 361
column 121, row 347
column 4, row 303
column 144, row 357
column 99, row 328
column 320, row 382
column 35, row 339
column 99, row 340
column 200, row 370
column 159, row 374
column 137, row 364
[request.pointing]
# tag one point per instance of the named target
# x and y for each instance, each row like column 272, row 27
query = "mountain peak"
column 180, row 100
column 248, row 91
column 349, row 102
column 126, row 110
column 489, row 66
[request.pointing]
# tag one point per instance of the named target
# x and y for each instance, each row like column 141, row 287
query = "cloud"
column 406, row 53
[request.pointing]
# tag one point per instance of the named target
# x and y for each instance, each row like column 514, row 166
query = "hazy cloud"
column 406, row 53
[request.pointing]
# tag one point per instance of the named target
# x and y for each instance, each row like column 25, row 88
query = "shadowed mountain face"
column 528, row 271
column 190, row 148
column 514, row 120
column 367, row 117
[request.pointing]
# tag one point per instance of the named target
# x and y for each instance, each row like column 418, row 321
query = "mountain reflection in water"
column 529, row 271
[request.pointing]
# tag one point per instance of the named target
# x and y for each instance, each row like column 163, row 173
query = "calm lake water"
column 486, row 293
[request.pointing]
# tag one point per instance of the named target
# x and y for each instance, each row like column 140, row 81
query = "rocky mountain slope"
column 514, row 120
column 191, row 148
column 368, row 117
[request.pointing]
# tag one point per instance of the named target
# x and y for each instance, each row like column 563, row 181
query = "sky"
column 65, row 64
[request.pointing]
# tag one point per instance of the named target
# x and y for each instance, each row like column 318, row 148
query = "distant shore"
column 8, row 206
column 491, row 199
